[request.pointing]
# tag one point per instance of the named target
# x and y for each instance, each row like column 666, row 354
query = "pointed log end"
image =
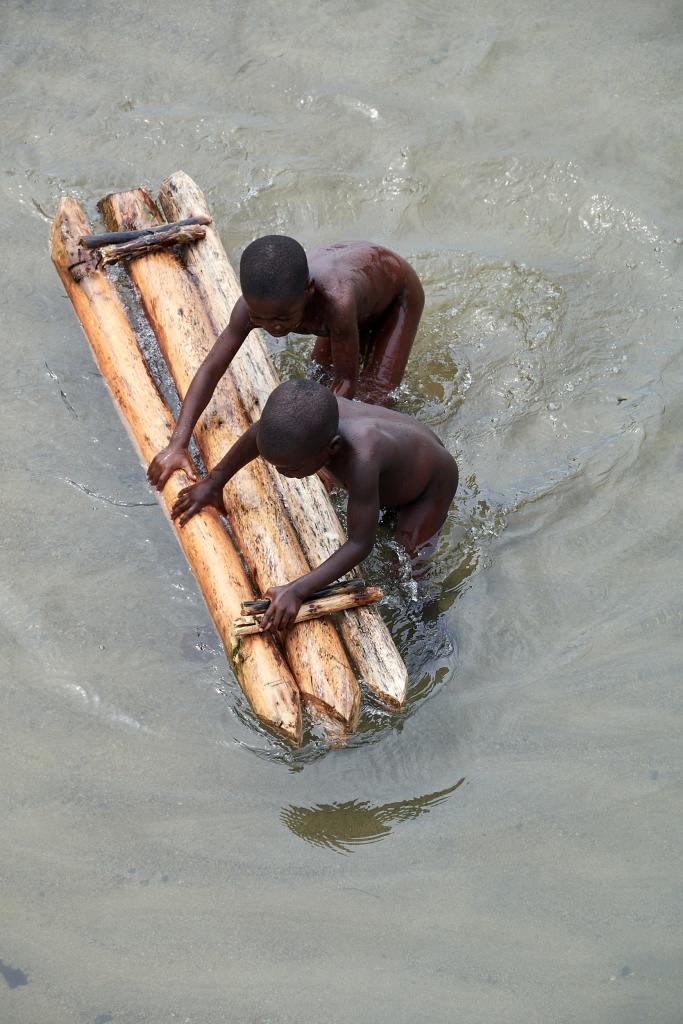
column 180, row 192
column 68, row 225
column 67, row 216
column 130, row 210
column 178, row 180
column 393, row 696
column 334, row 732
column 276, row 701
column 344, row 710
column 284, row 712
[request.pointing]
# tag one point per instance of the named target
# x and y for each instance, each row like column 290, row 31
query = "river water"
column 508, row 849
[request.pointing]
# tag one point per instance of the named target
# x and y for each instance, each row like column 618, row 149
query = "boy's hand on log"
column 166, row 462
column 285, row 602
column 193, row 499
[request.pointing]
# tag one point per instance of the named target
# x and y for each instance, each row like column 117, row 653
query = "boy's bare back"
column 402, row 453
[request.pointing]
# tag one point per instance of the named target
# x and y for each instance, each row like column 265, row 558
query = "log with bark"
column 176, row 312
column 97, row 241
column 247, row 625
column 365, row 634
column 147, row 243
column 259, row 665
column 339, row 587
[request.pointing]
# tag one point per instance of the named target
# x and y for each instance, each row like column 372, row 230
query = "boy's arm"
column 209, row 491
column 362, row 518
column 175, row 455
column 345, row 346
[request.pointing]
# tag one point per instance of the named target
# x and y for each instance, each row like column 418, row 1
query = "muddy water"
column 509, row 848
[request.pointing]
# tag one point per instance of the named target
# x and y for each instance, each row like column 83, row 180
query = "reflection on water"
column 341, row 826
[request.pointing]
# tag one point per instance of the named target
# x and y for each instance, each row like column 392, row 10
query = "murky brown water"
column 508, row 850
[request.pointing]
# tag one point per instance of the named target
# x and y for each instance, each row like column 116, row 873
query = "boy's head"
column 298, row 428
column 275, row 283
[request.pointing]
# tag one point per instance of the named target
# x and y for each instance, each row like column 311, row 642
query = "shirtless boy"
column 383, row 458
column 362, row 301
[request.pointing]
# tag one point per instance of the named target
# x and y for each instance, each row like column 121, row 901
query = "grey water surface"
column 507, row 850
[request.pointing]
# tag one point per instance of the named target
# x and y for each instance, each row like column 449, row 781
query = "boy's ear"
column 310, row 287
column 334, row 445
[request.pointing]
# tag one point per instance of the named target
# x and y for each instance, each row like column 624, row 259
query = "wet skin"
column 383, row 458
column 363, row 303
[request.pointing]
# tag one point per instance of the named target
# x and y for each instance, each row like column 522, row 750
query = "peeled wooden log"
column 263, row 532
column 259, row 665
column 365, row 634
column 246, row 625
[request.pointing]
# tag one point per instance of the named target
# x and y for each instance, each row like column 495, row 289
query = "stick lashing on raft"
column 358, row 597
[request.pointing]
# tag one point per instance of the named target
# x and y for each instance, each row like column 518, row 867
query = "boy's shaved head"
column 274, row 267
column 298, row 420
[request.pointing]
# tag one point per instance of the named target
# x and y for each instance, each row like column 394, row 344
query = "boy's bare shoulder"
column 339, row 258
column 356, row 279
column 381, row 428
column 373, row 422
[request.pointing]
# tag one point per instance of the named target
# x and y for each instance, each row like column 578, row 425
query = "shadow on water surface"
column 14, row 976
column 341, row 826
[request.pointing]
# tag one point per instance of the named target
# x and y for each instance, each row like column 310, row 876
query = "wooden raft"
column 258, row 522
column 187, row 305
column 259, row 665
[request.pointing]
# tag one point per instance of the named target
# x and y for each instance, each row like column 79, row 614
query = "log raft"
column 259, row 665
column 366, row 636
column 176, row 312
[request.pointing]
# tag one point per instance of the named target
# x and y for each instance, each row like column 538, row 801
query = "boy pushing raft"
column 361, row 301
column 383, row 458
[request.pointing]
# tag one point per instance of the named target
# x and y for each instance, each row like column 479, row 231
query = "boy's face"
column 278, row 316
column 307, row 465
